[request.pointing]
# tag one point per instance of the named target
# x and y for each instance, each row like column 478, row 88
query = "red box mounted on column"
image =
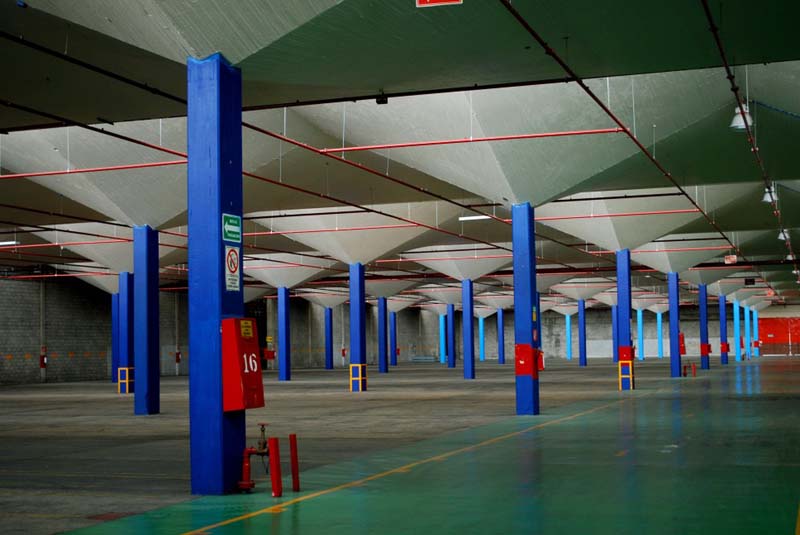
column 705, row 349
column 682, row 343
column 724, row 347
column 625, row 353
column 242, row 386
column 525, row 360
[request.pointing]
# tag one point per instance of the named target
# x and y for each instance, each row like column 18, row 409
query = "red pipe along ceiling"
column 456, row 141
column 92, row 169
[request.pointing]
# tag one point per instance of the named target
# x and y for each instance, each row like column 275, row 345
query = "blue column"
column 756, row 349
column 358, row 331
column 568, row 335
column 582, row 333
column 328, row 338
column 614, row 334
column 214, row 132
column 383, row 352
column 481, row 339
column 674, row 326
column 114, row 336
column 467, row 329
column 442, row 338
column 747, row 343
column 501, row 338
column 126, row 320
column 147, row 358
column 737, row 331
column 284, row 337
column 702, row 293
column 723, row 330
column 624, row 343
column 640, row 332
column 451, row 336
column 660, row 328
column 525, row 305
column 393, row 338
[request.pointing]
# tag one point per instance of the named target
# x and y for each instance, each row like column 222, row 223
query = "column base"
column 705, row 363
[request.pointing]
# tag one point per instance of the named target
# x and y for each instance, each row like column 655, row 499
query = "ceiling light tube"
column 5, row 243
column 473, row 217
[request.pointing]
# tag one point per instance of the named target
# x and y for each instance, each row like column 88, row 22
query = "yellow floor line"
column 278, row 508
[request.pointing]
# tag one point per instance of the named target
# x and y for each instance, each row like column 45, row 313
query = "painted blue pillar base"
column 393, row 338
column 481, row 340
column 660, row 333
column 582, row 333
column 501, row 338
column 383, row 352
column 358, row 331
column 147, row 355
column 451, row 336
column 614, row 335
column 527, row 390
column 328, row 338
column 114, row 336
column 442, row 338
column 756, row 342
column 568, row 335
column 640, row 333
column 674, row 326
column 737, row 333
column 704, row 362
column 284, row 337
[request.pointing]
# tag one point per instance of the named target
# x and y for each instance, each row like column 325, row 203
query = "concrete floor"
column 73, row 455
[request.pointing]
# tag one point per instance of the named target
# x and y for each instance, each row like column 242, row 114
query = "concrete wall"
column 77, row 331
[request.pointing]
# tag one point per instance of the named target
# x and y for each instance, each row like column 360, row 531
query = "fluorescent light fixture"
column 5, row 243
column 790, row 257
column 473, row 217
column 783, row 235
column 770, row 194
column 738, row 122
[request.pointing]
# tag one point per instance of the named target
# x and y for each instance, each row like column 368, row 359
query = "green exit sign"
column 232, row 228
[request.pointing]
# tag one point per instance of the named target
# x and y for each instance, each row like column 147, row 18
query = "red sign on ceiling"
column 431, row 3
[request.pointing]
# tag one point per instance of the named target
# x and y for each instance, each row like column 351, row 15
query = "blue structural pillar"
column 582, row 333
column 747, row 343
column 705, row 348
column 723, row 332
column 737, row 331
column 284, row 337
column 756, row 341
column 467, row 329
column 568, row 335
column 660, row 329
column 640, row 332
column 114, row 337
column 147, row 358
column 442, row 338
column 624, row 342
column 358, row 330
column 383, row 350
column 328, row 338
column 214, row 132
column 674, row 326
column 481, row 339
column 614, row 334
column 501, row 338
column 451, row 336
column 526, row 345
column 126, row 383
column 393, row 338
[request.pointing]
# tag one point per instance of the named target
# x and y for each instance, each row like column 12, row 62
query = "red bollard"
column 275, row 468
column 295, row 463
column 684, row 370
column 694, row 369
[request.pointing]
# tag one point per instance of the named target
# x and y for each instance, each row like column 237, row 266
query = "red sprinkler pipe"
column 475, row 140
column 442, row 258
column 92, row 169
column 322, row 230
column 618, row 214
column 59, row 275
column 64, row 244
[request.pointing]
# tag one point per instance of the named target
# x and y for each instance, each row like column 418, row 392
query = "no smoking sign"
column 232, row 263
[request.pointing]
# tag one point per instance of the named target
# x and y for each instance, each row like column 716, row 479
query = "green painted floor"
column 718, row 453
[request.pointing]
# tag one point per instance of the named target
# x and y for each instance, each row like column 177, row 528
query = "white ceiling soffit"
column 608, row 298
column 175, row 30
column 698, row 276
column 658, row 308
column 497, row 300
column 117, row 256
column 151, row 196
column 107, row 282
column 388, row 284
column 251, row 293
column 364, row 246
column 578, row 289
column 396, row 304
column 437, row 308
column 725, row 286
column 550, row 302
column 743, row 294
column 566, row 309
column 325, row 297
column 460, row 264
column 285, row 270
column 677, row 256
column 645, row 302
column 544, row 281
column 448, row 293
column 758, row 307
column 483, row 312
